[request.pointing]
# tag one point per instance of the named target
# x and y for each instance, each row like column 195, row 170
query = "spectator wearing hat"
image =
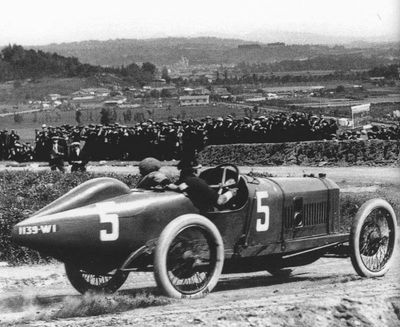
column 57, row 155
column 16, row 152
column 4, row 144
column 77, row 158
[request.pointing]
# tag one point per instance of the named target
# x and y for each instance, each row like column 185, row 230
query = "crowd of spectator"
column 168, row 140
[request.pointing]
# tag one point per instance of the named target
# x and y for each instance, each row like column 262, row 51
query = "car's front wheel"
column 188, row 257
column 373, row 238
column 84, row 281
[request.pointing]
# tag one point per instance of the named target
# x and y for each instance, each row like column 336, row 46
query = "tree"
column 106, row 116
column 165, row 93
column 78, row 116
column 217, row 79
column 127, row 115
column 148, row 67
column 340, row 89
column 165, row 75
column 155, row 93
column 139, row 117
column 18, row 118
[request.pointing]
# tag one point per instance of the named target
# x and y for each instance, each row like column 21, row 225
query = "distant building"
column 272, row 96
column 221, row 91
column 196, row 91
column 194, row 100
column 284, row 90
column 83, row 98
column 158, row 83
column 256, row 99
column 91, row 92
column 54, row 96
column 115, row 101
column 188, row 91
column 96, row 91
column 201, row 91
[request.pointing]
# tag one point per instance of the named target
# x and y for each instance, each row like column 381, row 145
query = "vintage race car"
column 102, row 230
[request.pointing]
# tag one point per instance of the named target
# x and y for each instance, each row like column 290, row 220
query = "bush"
column 371, row 152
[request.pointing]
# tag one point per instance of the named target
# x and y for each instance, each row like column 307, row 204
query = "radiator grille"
column 313, row 214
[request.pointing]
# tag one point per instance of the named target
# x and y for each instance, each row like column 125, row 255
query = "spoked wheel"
column 373, row 238
column 188, row 257
column 83, row 281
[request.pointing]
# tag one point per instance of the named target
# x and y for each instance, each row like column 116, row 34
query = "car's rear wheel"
column 373, row 238
column 188, row 257
column 84, row 281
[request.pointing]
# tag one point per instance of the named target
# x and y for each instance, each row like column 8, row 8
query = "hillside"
column 201, row 50
column 18, row 63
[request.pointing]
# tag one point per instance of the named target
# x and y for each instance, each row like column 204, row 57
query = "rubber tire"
column 358, row 222
column 166, row 238
column 74, row 276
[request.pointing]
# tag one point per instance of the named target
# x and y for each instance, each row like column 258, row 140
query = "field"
column 13, row 94
column 325, row 293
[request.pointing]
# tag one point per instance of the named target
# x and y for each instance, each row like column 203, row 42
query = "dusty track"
column 357, row 174
column 326, row 293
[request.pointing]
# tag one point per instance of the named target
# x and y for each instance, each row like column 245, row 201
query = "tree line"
column 19, row 63
column 346, row 62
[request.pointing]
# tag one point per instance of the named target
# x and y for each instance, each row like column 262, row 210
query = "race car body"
column 102, row 230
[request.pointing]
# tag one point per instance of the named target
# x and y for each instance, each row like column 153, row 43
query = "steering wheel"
column 226, row 183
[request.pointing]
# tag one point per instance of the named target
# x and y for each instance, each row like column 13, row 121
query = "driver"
column 199, row 192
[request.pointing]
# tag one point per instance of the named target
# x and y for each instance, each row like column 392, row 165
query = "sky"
column 38, row 22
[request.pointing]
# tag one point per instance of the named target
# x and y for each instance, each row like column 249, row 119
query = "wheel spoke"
column 190, row 260
column 375, row 236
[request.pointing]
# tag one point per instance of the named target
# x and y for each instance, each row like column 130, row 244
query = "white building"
column 117, row 100
column 194, row 100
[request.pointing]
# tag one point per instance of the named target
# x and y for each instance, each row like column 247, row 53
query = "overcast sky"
column 36, row 22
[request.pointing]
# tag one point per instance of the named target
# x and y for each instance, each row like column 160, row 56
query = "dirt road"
column 326, row 293
column 356, row 174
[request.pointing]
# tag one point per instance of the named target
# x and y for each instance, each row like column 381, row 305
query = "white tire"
column 189, row 257
column 373, row 238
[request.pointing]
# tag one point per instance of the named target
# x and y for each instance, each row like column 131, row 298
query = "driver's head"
column 148, row 165
column 189, row 167
column 189, row 171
